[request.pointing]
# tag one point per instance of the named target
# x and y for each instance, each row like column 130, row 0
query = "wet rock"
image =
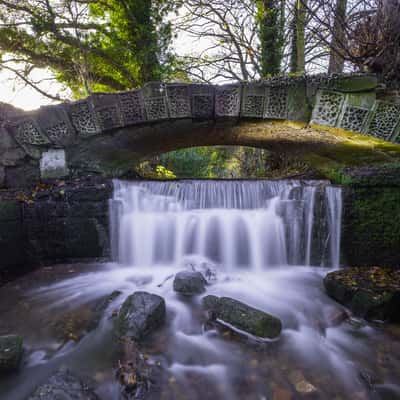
column 66, row 386
column 75, row 324
column 11, row 351
column 189, row 283
column 371, row 293
column 140, row 315
column 243, row 317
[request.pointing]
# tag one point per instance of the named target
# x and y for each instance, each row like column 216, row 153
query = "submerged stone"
column 75, row 324
column 11, row 350
column 66, row 386
column 243, row 317
column 371, row 293
column 140, row 315
column 189, row 283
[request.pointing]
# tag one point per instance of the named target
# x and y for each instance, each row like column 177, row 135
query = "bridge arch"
column 107, row 133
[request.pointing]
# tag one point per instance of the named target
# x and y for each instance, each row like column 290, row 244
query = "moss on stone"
column 371, row 226
column 350, row 84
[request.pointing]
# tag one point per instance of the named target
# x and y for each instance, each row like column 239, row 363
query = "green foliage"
column 91, row 46
column 223, row 162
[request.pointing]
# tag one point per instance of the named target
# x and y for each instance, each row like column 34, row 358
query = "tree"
column 223, row 37
column 87, row 44
column 336, row 60
column 298, row 60
column 269, row 17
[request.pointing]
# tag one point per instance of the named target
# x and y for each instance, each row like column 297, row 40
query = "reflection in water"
column 257, row 239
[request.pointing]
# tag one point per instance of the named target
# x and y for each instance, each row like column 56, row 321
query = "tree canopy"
column 110, row 45
column 90, row 45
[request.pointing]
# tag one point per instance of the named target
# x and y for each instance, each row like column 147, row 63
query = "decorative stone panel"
column 253, row 101
column 328, row 107
column 28, row 135
column 276, row 104
column 83, row 118
column 179, row 100
column 354, row 118
column 227, row 100
column 132, row 107
column 107, row 111
column 155, row 101
column 384, row 120
column 27, row 131
column 55, row 123
column 203, row 101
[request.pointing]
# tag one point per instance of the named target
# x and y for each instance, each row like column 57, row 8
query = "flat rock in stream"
column 64, row 385
column 242, row 316
column 11, row 350
column 189, row 283
column 140, row 315
column 371, row 293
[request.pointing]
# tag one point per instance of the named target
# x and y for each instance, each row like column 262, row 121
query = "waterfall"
column 234, row 224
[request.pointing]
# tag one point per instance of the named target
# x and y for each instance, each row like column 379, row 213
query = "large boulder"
column 140, row 315
column 371, row 293
column 243, row 317
column 66, row 386
column 189, row 283
column 11, row 350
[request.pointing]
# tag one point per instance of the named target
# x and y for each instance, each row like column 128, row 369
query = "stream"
column 266, row 243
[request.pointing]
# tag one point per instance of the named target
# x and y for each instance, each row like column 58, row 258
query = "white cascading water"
column 235, row 224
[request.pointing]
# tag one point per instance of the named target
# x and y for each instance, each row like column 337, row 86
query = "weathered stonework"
column 59, row 223
column 155, row 101
column 344, row 101
column 227, row 101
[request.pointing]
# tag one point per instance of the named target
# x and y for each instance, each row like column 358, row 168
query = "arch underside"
column 119, row 151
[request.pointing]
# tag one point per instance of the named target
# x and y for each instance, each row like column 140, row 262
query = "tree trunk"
column 298, row 62
column 271, row 36
column 339, row 42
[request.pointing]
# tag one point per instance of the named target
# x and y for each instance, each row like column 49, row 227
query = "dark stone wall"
column 54, row 224
column 371, row 226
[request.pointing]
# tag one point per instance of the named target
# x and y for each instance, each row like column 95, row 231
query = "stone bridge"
column 107, row 134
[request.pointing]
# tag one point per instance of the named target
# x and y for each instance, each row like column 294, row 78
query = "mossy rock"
column 371, row 293
column 243, row 317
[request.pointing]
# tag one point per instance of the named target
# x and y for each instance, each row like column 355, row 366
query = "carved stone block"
column 253, row 101
column 276, row 102
column 132, row 107
column 155, row 101
column 179, row 100
column 203, row 101
column 28, row 135
column 327, row 108
column 55, row 123
column 84, row 118
column 354, row 118
column 227, row 100
column 107, row 111
column 384, row 120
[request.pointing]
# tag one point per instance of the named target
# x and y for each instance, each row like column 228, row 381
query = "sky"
column 27, row 98
column 24, row 97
